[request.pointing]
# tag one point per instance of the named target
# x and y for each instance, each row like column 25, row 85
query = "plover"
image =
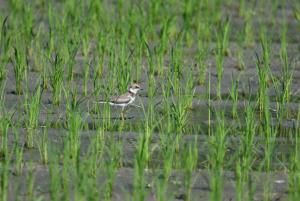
column 125, row 99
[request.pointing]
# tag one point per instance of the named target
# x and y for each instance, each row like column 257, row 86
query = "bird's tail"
column 102, row 102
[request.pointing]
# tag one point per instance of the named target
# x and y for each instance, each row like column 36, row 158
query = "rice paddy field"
column 218, row 119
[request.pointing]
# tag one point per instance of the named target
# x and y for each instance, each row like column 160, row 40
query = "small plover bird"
column 125, row 99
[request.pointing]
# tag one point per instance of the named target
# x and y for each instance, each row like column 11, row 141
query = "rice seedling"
column 32, row 109
column 20, row 64
column 245, row 161
column 4, row 170
column 56, row 79
column 249, row 35
column 18, row 152
column 202, row 55
column 234, row 97
column 111, row 166
column 139, row 168
column 73, row 138
column 4, row 135
column 263, row 69
column 5, row 47
column 55, row 179
column 222, row 45
column 43, row 146
column 189, row 165
column 30, row 182
column 5, row 158
column 216, row 157
column 86, row 49
column 163, row 178
column 293, row 179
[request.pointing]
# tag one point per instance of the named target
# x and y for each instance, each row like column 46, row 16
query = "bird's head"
column 134, row 88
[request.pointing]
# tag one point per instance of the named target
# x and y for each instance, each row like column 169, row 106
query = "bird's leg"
column 122, row 113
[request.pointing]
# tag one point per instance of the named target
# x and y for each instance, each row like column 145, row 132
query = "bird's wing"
column 122, row 99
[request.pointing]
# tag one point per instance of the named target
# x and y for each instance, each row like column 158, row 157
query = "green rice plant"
column 75, row 124
column 140, row 164
column 214, row 8
column 167, row 124
column 162, row 47
column 56, row 79
column 19, row 163
column 72, row 46
column 52, row 25
column 16, row 5
column 86, row 71
column 150, row 114
column 28, row 24
column 269, row 134
column 123, row 67
column 168, row 156
column 202, row 67
column 43, row 146
column 96, row 151
column 176, row 61
column 234, row 96
column 275, row 5
column 138, row 62
column 4, row 156
column 202, row 51
column 180, row 108
column 283, row 52
column 208, row 96
column 263, row 71
column 246, row 156
column 249, row 29
column 30, row 181
column 296, row 10
column 294, row 166
column 242, row 7
column 143, row 153
column 5, row 44
column 4, row 176
column 112, row 162
column 110, row 170
column 84, row 182
column 240, row 52
column 187, row 13
column 37, row 51
column 100, row 53
column 287, row 71
column 225, row 37
column 32, row 106
column 190, row 160
column 241, row 63
column 55, row 178
column 216, row 157
column 68, row 170
column 18, row 151
column 20, row 64
column 222, row 49
column 3, row 133
column 181, row 103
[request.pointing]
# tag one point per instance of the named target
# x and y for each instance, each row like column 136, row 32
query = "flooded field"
column 217, row 119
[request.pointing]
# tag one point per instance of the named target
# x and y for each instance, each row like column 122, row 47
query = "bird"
column 125, row 99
